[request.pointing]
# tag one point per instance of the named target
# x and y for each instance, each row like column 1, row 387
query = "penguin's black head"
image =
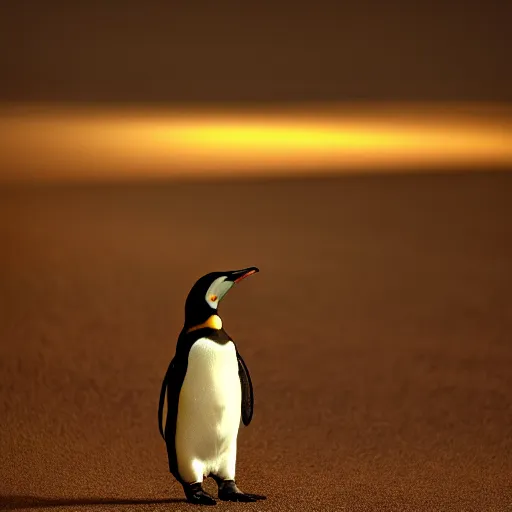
column 204, row 297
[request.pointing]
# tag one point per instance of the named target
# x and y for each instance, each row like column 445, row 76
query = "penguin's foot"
column 228, row 491
column 196, row 494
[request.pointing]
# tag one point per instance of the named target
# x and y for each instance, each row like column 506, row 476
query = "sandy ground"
column 377, row 334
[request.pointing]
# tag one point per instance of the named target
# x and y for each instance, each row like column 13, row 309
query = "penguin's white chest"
column 209, row 411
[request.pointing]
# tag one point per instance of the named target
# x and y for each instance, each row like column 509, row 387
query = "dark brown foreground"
column 378, row 334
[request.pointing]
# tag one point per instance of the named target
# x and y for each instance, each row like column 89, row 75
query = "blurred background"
column 117, row 90
column 358, row 153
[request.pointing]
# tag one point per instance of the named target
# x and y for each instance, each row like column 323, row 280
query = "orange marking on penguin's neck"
column 214, row 322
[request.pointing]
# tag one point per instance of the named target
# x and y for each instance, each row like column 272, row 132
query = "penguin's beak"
column 237, row 275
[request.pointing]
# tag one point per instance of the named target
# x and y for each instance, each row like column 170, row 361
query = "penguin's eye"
column 213, row 298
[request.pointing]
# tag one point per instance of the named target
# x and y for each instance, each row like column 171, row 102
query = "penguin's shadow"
column 15, row 502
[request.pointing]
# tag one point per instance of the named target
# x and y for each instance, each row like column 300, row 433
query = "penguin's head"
column 204, row 297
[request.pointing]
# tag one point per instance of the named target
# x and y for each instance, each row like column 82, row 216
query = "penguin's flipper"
column 247, row 392
column 168, row 410
column 162, row 403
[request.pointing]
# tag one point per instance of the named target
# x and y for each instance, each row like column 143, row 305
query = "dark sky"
column 143, row 51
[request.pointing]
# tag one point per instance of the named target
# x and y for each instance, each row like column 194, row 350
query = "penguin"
column 205, row 393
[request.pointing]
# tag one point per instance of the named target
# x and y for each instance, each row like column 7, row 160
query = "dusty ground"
column 378, row 334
